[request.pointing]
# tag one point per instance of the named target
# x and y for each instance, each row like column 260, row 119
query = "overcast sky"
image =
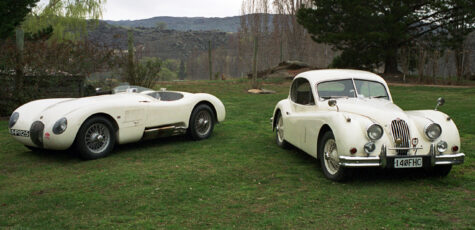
column 140, row 9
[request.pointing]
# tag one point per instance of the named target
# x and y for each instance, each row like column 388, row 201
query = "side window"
column 301, row 92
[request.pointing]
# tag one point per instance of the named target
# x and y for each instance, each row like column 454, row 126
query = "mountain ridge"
column 226, row 24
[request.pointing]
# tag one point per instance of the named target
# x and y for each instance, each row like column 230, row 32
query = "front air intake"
column 36, row 133
column 401, row 135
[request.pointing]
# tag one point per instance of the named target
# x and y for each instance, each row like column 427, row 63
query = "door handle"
column 144, row 101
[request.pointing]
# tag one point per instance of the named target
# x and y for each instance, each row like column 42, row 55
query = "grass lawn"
column 238, row 178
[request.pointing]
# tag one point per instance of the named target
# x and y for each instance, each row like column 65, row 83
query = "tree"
column 12, row 13
column 161, row 25
column 370, row 32
column 182, row 71
column 455, row 33
column 69, row 19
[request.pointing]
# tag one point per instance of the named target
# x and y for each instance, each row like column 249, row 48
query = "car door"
column 164, row 111
column 302, row 105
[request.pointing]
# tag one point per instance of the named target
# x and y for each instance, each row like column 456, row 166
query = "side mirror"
column 440, row 102
column 332, row 103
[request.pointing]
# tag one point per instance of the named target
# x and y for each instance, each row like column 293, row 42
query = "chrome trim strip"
column 453, row 159
column 382, row 159
column 405, row 148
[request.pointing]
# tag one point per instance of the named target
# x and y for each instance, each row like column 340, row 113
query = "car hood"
column 63, row 106
column 378, row 110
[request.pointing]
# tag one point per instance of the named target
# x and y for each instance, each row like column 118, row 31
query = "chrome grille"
column 400, row 130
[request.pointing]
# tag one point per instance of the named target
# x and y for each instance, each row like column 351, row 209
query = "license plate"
column 20, row 133
column 413, row 162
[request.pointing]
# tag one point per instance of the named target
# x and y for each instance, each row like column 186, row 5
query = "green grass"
column 238, row 178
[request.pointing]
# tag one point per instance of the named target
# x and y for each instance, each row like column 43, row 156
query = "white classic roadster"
column 94, row 125
column 347, row 119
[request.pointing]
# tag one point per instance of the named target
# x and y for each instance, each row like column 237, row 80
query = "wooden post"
column 254, row 63
column 210, row 61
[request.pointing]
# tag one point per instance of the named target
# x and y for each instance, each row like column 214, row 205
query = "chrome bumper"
column 382, row 159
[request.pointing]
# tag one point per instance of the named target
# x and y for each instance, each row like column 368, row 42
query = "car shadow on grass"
column 363, row 175
column 54, row 156
column 379, row 174
column 148, row 144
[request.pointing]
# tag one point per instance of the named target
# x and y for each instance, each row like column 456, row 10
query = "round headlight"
column 374, row 132
column 60, row 126
column 442, row 146
column 13, row 119
column 433, row 131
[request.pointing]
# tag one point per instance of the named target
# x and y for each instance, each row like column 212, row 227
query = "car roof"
column 317, row 76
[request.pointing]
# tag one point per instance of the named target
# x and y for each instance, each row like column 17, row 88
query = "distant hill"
column 164, row 44
column 228, row 24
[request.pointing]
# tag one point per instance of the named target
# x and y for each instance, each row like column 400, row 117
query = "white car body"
column 304, row 124
column 134, row 115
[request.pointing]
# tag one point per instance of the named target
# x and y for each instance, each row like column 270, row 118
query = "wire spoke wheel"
column 331, row 156
column 203, row 122
column 97, row 138
column 280, row 129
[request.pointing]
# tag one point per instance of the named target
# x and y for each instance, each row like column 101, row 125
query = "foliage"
column 50, row 58
column 12, row 13
column 237, row 179
column 182, row 71
column 161, row 25
column 454, row 34
column 147, row 72
column 376, row 29
column 139, row 71
column 167, row 74
column 69, row 19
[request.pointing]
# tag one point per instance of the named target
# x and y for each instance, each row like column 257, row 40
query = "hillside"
column 164, row 44
column 228, row 24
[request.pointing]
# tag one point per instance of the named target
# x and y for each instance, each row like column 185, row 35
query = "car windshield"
column 371, row 89
column 336, row 89
column 130, row 88
column 346, row 89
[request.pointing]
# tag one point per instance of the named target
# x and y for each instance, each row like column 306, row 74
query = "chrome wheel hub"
column 97, row 138
column 331, row 156
column 203, row 122
column 280, row 129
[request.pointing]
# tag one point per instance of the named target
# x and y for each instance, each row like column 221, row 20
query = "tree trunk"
column 254, row 64
column 130, row 58
column 390, row 62
column 19, row 60
column 459, row 61
column 210, row 59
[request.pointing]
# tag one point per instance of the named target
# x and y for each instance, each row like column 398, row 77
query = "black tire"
column 440, row 170
column 201, row 122
column 330, row 166
column 95, row 139
column 33, row 149
column 279, row 132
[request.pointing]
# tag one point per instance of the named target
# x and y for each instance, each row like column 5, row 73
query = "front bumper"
column 384, row 161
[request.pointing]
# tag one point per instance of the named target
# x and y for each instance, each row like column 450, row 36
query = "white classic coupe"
column 347, row 119
column 94, row 125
